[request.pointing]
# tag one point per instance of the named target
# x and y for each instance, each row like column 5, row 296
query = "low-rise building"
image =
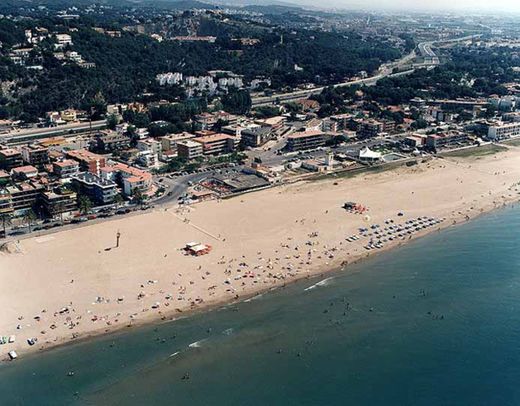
column 337, row 123
column 66, row 168
column 109, row 141
column 416, row 140
column 24, row 172
column 452, row 139
column 306, row 140
column 147, row 159
column 6, row 204
column 57, row 202
column 217, row 144
column 503, row 130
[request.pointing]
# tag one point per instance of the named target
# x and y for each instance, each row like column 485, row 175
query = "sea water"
column 436, row 322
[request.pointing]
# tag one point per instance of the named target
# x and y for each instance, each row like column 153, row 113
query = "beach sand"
column 76, row 283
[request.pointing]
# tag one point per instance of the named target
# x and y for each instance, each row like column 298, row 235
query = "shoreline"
column 220, row 305
column 337, row 263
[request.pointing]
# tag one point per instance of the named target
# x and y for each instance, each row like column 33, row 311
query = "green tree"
column 112, row 121
column 84, row 204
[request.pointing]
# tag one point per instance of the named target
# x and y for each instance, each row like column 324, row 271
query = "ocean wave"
column 253, row 298
column 324, row 282
column 228, row 331
column 197, row 344
column 174, row 354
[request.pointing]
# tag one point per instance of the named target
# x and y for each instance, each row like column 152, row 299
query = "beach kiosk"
column 197, row 249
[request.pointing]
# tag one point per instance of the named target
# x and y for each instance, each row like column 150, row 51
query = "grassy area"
column 475, row 152
column 359, row 171
column 515, row 142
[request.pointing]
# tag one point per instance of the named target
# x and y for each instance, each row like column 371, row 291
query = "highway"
column 386, row 70
column 68, row 130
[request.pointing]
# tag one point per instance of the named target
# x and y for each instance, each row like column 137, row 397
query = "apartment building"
column 100, row 191
column 65, row 169
column 55, row 203
column 24, row 195
column 502, row 130
column 256, row 136
column 35, row 155
column 132, row 178
column 10, row 158
column 189, row 149
column 109, row 141
column 217, row 144
column 88, row 161
column 275, row 124
column 306, row 140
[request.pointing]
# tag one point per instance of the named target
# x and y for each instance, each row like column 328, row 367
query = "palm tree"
column 84, row 204
column 138, row 197
column 29, row 217
column 5, row 218
column 118, row 199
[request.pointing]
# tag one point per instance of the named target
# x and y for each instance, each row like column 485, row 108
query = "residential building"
column 416, row 140
column 306, row 140
column 100, row 191
column 24, row 172
column 58, row 202
column 189, row 149
column 370, row 128
column 437, row 141
column 150, row 145
column 109, row 141
column 256, row 136
column 6, row 203
column 63, row 40
column 276, row 124
column 147, row 159
column 502, row 130
column 66, row 168
column 10, row 158
column 88, row 161
column 169, row 142
column 217, row 144
column 206, row 121
column 24, row 195
column 35, row 155
column 133, row 178
column 337, row 123
column 69, row 115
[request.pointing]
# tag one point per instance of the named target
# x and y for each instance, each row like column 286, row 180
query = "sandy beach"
column 76, row 283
